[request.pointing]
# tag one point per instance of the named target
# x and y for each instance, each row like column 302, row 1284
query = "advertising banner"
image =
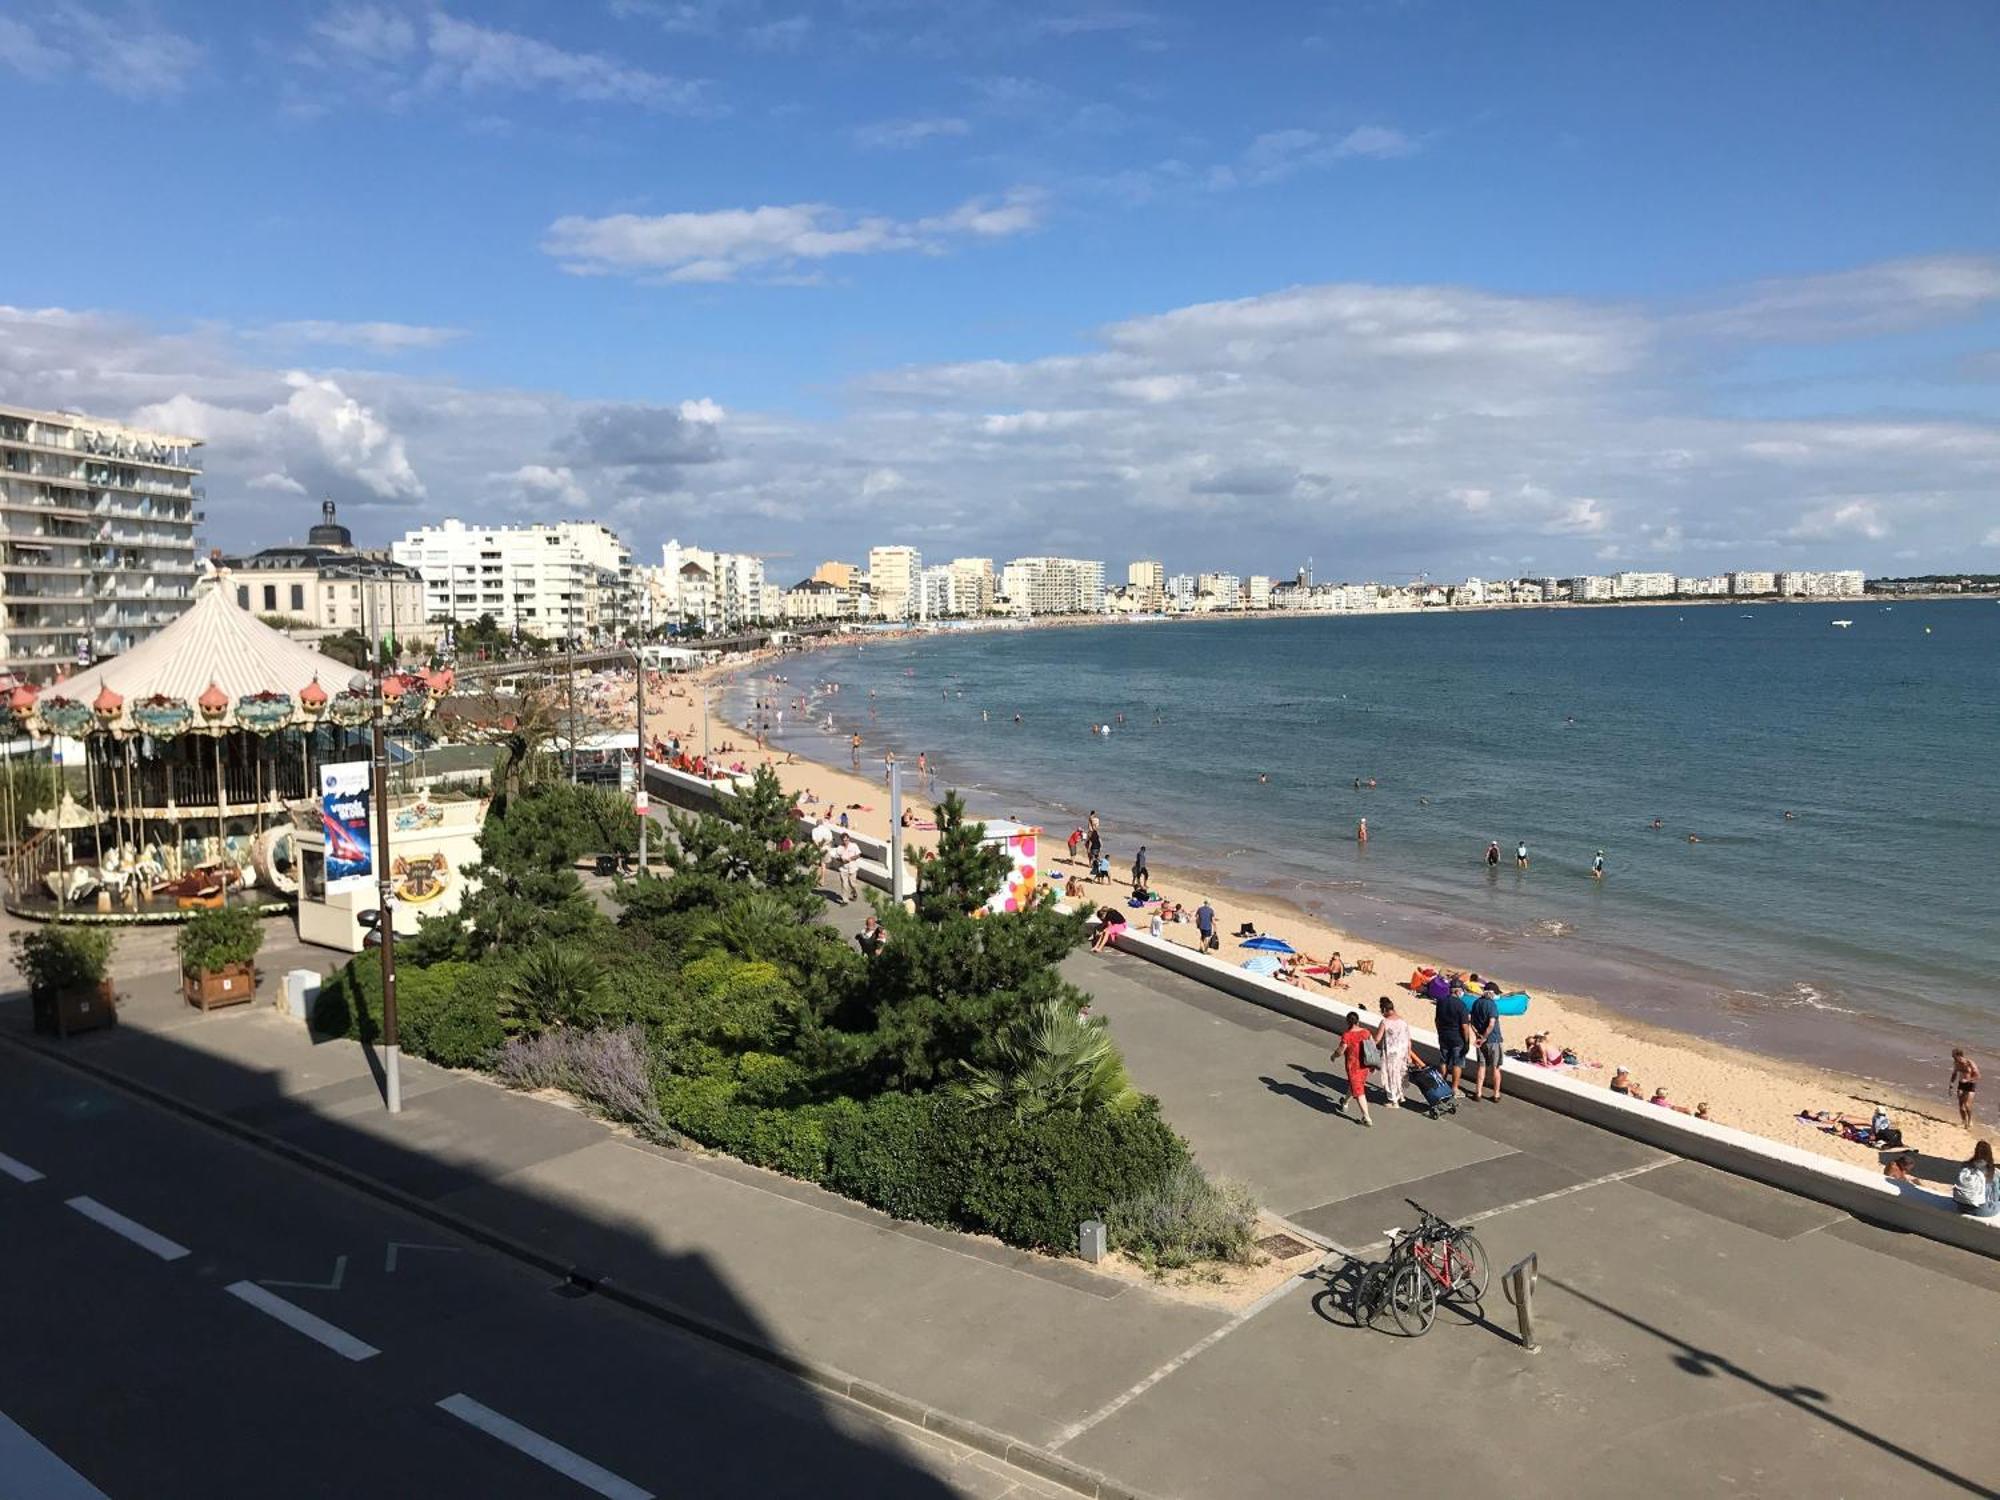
column 343, row 814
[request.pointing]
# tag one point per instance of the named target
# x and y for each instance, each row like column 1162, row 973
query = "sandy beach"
column 1751, row 1091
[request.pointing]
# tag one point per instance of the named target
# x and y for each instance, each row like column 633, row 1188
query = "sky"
column 1422, row 288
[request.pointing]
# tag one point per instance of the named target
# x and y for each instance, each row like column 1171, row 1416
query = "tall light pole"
column 385, row 922
column 639, row 693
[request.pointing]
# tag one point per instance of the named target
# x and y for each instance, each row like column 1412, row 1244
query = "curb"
column 1026, row 1456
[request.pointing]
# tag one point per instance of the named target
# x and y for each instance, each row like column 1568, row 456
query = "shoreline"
column 1751, row 1090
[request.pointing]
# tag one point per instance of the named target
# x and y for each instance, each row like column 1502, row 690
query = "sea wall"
column 1861, row 1191
column 691, row 793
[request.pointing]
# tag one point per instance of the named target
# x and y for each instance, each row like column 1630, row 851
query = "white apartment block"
column 719, row 591
column 1591, row 588
column 1260, row 591
column 561, row 581
column 1805, row 584
column 974, row 583
column 1643, row 586
column 1147, row 581
column 1181, row 591
column 1054, row 586
column 1218, row 591
column 1745, row 584
column 96, row 537
column 937, row 593
column 892, row 574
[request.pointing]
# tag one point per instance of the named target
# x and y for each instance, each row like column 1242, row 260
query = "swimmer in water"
column 1694, row 838
column 1597, row 866
column 1017, row 718
column 1659, row 823
column 1789, row 815
column 1361, row 832
column 1262, row 777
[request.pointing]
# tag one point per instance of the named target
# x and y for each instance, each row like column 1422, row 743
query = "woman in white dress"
column 1394, row 1040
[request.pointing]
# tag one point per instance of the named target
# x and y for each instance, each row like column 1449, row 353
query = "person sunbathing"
column 1621, row 1083
column 1542, row 1050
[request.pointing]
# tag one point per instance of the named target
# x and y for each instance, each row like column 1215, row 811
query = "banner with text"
column 343, row 814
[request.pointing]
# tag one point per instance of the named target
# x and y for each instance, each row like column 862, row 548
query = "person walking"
column 846, row 855
column 1964, row 1083
column 1139, row 870
column 1204, row 924
column 1454, row 1033
column 1393, row 1036
column 1093, row 839
column 1977, row 1192
column 1486, row 1043
column 1352, row 1041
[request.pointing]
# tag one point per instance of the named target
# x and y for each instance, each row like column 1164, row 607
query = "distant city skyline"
column 1407, row 289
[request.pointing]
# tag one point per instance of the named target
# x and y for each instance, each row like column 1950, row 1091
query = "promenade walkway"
column 1699, row 1333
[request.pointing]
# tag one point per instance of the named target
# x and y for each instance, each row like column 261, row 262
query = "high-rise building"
column 1218, row 591
column 1148, row 582
column 1181, row 591
column 1752, row 583
column 892, row 574
column 719, row 591
column 1260, row 591
column 96, row 536
column 561, row 581
column 1643, row 585
column 972, row 578
column 1054, row 586
column 842, row 575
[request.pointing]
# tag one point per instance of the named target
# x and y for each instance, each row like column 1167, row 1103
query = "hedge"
column 445, row 1012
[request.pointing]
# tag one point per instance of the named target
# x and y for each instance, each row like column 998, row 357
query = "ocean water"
column 1862, row 932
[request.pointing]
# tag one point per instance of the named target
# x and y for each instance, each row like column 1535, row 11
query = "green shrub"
column 448, row 1013
column 211, row 940
column 1033, row 1181
column 63, row 957
column 552, row 984
column 907, row 1154
column 1185, row 1218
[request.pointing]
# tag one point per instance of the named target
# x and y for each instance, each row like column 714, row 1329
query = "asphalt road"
column 184, row 1315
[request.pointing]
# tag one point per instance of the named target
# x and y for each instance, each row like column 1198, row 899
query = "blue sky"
column 1478, row 288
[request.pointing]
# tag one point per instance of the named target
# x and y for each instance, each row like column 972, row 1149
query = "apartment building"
column 569, row 579
column 96, row 537
column 327, row 584
column 1218, row 591
column 1181, row 592
column 1260, row 591
column 893, row 573
column 974, row 583
column 1753, row 583
column 719, row 591
column 1147, row 583
column 1643, row 586
column 1054, row 586
column 1591, row 589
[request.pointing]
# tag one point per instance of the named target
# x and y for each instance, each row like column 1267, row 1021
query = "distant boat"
column 1749, row 617
column 1842, row 624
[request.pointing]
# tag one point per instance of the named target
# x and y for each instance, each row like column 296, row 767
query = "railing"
column 28, row 865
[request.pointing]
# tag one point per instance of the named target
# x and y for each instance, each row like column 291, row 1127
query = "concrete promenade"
column 1699, row 1333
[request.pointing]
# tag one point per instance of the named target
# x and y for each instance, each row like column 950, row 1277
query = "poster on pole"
column 343, row 815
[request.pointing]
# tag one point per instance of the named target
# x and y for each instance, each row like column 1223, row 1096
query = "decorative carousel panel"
column 264, row 713
column 350, row 709
column 161, row 716
column 66, row 716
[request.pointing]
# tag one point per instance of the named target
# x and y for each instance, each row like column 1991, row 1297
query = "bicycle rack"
column 1520, row 1286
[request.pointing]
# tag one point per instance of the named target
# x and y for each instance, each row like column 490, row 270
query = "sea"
column 1838, row 902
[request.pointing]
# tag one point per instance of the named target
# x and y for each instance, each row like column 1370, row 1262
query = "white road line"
column 600, row 1480
column 20, row 1171
column 31, row 1472
column 1575, row 1187
column 131, row 1229
column 300, row 1321
column 1125, row 1398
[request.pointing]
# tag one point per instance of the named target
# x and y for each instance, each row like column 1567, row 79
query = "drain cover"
column 1283, row 1246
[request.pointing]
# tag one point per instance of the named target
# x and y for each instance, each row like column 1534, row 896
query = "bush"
column 448, row 1013
column 550, row 985
column 605, row 1069
column 63, row 957
column 1185, row 1218
column 211, row 940
column 1032, row 1182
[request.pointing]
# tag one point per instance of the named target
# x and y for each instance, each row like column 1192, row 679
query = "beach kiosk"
column 1025, row 878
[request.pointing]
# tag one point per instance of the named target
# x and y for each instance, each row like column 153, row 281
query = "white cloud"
column 376, row 338
column 1844, row 518
column 475, row 59
column 786, row 34
column 1891, row 297
column 367, row 33
column 538, row 484
column 897, row 135
column 128, row 54
column 723, row 244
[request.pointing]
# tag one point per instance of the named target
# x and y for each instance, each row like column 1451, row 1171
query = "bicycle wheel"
column 1412, row 1299
column 1471, row 1272
column 1365, row 1302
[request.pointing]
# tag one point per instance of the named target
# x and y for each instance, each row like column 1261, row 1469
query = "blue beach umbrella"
column 1268, row 945
column 1262, row 963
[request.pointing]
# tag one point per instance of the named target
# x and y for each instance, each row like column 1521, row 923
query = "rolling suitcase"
column 1438, row 1096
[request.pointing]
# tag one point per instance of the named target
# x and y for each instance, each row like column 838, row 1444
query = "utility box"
column 301, row 993
column 1090, row 1242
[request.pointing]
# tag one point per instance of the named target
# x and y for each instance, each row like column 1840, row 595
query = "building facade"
column 572, row 579
column 327, row 585
column 96, row 537
column 1054, row 586
column 1147, row 581
column 973, row 580
column 892, row 574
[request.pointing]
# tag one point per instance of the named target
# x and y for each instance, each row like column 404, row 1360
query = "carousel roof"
column 216, row 643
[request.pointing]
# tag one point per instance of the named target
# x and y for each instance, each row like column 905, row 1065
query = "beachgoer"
column 1621, row 1083
column 1521, row 855
column 846, row 856
column 1976, row 1192
column 871, row 937
column 1659, row 823
column 1900, row 1168
column 1701, row 1110
column 1454, row 1033
column 1073, row 888
column 1659, row 1098
column 1542, row 1050
column 1965, row 1083
column 1075, row 838
column 1110, row 922
column 1394, row 1036
column 855, row 745
column 1139, row 870
column 1156, row 925
column 1100, row 868
column 1352, row 1040
column 1361, row 832
column 1093, row 839
column 1204, row 925
column 1493, row 855
column 1597, row 866
column 1487, row 1044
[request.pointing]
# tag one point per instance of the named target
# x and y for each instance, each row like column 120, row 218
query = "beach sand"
column 1750, row 1091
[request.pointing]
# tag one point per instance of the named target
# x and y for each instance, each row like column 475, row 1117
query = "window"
column 298, row 596
column 270, row 598
column 243, row 596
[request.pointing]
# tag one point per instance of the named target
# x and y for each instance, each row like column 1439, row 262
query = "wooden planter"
column 61, row 1012
column 232, row 984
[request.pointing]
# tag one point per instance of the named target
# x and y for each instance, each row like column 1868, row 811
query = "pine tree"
column 966, row 870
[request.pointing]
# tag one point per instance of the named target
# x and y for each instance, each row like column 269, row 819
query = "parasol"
column 1268, row 944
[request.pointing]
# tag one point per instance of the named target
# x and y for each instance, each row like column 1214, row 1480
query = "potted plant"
column 65, row 966
column 217, row 950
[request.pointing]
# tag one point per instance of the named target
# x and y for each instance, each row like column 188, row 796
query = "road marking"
column 1575, row 1187
column 1119, row 1402
column 332, row 1284
column 20, row 1171
column 542, row 1449
column 31, row 1470
column 131, row 1229
column 300, row 1321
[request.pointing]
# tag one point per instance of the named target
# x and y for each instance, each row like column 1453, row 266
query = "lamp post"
column 639, row 696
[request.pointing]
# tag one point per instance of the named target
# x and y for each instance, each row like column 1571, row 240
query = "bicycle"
column 1450, row 1257
column 1396, row 1285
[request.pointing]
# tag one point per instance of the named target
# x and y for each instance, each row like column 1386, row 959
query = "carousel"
column 201, row 750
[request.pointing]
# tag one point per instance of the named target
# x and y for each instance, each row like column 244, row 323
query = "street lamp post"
column 639, row 694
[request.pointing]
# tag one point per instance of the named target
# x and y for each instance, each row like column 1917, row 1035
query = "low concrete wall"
column 692, row 793
column 1861, row 1191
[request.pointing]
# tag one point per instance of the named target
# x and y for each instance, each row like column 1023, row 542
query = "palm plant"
column 1057, row 1059
column 754, row 925
column 551, row 984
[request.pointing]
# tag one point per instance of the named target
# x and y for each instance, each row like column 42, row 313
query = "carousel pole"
column 221, row 820
column 96, row 817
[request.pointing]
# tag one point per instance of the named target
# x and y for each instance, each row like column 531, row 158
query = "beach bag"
column 1371, row 1055
column 1890, row 1137
column 1973, row 1186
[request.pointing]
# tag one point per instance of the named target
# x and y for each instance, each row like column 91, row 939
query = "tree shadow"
column 1709, row 1364
column 671, row 1406
column 1310, row 1097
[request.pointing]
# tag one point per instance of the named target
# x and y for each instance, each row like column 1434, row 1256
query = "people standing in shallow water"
column 1597, row 866
column 1493, row 855
column 1521, row 855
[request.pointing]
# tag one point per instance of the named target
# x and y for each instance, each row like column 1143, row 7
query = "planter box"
column 60, row 1012
column 232, row 984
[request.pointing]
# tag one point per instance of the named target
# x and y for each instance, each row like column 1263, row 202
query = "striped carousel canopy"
column 216, row 668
